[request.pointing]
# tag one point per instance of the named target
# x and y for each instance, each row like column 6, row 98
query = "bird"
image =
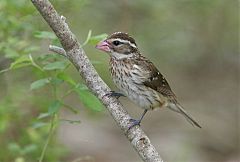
column 138, row 78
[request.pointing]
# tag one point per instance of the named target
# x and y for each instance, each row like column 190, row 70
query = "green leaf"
column 56, row 81
column 89, row 100
column 81, row 87
column 14, row 147
column 21, row 62
column 39, row 83
column 43, row 115
column 66, row 78
column 88, row 38
column 44, row 34
column 95, row 39
column 54, row 107
column 10, row 52
column 58, row 65
column 29, row 148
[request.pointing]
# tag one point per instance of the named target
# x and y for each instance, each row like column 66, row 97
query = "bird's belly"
column 142, row 96
column 146, row 99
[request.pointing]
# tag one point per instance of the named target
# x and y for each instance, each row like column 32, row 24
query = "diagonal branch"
column 74, row 52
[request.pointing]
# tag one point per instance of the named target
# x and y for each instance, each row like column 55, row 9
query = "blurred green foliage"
column 30, row 130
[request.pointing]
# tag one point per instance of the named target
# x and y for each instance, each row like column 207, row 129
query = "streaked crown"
column 123, row 37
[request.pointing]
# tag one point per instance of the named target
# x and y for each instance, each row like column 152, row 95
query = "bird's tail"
column 179, row 109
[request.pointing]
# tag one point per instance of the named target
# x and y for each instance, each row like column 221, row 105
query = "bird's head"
column 119, row 45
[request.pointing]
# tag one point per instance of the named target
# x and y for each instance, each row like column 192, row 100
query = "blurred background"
column 194, row 43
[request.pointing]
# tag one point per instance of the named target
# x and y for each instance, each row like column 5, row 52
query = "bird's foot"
column 134, row 122
column 114, row 94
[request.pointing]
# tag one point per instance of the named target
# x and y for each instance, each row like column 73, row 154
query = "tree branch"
column 74, row 52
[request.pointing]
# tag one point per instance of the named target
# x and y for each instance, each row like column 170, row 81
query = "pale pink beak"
column 103, row 46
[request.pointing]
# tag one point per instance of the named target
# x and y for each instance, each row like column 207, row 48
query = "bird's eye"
column 116, row 42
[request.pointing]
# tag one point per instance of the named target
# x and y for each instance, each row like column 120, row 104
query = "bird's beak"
column 103, row 46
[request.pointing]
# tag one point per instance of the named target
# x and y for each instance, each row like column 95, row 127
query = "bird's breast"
column 130, row 83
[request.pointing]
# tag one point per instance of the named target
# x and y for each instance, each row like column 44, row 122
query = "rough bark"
column 73, row 51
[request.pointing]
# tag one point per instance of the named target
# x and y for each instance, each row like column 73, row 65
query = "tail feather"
column 178, row 108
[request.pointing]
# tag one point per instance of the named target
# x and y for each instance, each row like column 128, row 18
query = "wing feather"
column 155, row 79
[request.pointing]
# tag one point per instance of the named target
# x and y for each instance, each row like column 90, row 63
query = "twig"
column 77, row 56
column 51, row 131
column 57, row 50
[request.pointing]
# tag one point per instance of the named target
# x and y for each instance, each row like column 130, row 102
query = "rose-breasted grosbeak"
column 138, row 78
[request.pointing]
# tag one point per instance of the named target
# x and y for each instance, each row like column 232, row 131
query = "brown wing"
column 157, row 82
column 155, row 79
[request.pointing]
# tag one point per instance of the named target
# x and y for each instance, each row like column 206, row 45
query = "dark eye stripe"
column 116, row 42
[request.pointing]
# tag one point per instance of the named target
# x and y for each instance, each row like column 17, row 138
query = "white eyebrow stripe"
column 125, row 41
